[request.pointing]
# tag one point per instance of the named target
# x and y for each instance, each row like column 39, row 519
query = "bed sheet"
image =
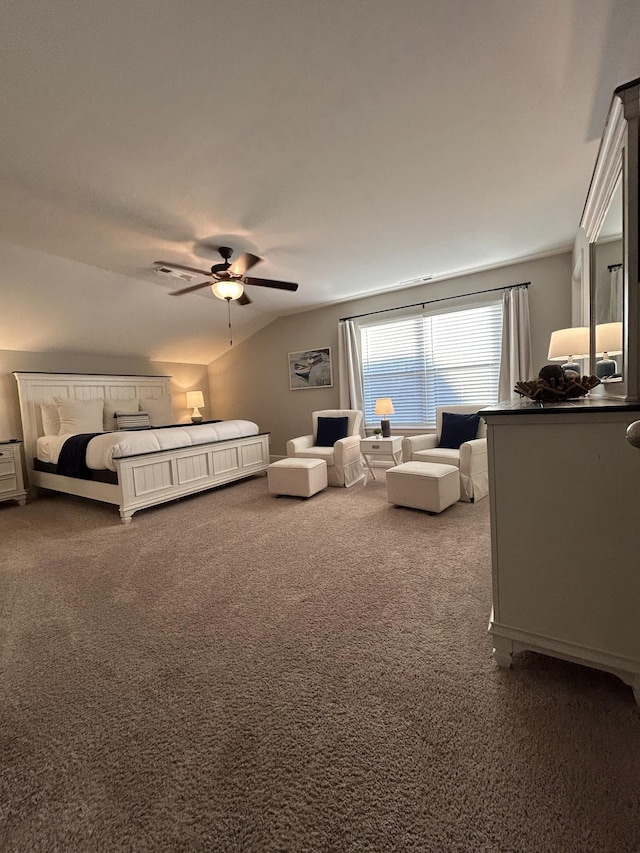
column 104, row 448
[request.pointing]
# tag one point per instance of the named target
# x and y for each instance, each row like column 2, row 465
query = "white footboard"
column 155, row 478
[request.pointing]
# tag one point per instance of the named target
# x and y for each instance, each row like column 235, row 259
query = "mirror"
column 608, row 297
column 606, row 269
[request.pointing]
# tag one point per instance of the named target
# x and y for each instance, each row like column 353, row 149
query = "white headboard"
column 37, row 388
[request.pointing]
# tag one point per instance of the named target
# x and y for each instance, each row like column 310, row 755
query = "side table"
column 11, row 480
column 381, row 448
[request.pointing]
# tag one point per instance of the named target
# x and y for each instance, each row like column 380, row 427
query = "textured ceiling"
column 352, row 145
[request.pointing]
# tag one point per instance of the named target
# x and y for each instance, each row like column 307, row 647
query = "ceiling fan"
column 227, row 279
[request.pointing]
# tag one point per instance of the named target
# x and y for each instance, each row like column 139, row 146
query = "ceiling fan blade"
column 158, row 264
column 191, row 288
column 268, row 282
column 244, row 300
column 244, row 263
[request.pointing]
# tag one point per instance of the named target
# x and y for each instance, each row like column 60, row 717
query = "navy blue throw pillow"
column 456, row 429
column 330, row 430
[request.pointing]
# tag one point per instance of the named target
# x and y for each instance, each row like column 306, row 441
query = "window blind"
column 442, row 358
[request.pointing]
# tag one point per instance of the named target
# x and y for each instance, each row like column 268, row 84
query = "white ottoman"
column 423, row 485
column 298, row 477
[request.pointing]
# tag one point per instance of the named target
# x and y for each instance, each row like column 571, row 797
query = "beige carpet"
column 235, row 672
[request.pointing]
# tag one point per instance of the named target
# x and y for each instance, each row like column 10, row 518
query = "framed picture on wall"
column 310, row 369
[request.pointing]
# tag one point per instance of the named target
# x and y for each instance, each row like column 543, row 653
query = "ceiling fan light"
column 227, row 289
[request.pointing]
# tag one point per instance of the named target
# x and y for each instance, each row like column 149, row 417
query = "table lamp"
column 608, row 342
column 194, row 400
column 567, row 344
column 384, row 406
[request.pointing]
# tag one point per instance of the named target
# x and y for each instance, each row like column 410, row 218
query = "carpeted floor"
column 235, row 672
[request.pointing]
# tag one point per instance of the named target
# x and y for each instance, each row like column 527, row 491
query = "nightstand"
column 11, row 480
column 381, row 448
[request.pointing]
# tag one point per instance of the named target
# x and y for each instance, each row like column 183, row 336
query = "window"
column 444, row 358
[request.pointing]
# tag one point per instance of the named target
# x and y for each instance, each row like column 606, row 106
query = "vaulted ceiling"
column 354, row 145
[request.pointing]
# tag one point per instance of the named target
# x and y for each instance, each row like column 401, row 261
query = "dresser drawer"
column 381, row 445
column 7, row 463
column 8, row 483
column 369, row 444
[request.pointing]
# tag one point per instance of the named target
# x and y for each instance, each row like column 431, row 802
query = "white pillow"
column 79, row 415
column 160, row 411
column 50, row 419
column 113, row 406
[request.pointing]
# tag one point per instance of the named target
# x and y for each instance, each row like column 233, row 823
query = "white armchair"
column 345, row 463
column 471, row 458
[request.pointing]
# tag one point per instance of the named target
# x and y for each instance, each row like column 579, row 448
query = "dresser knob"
column 633, row 434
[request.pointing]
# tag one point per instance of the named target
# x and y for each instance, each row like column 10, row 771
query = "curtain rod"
column 441, row 299
column 612, row 267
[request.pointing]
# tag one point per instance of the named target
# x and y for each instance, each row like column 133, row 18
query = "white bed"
column 152, row 466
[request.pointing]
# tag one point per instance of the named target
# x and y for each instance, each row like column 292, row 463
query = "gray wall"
column 185, row 376
column 251, row 380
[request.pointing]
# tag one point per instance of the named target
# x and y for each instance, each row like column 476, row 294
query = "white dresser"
column 564, row 486
column 11, row 478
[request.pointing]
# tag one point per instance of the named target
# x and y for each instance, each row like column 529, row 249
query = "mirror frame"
column 618, row 156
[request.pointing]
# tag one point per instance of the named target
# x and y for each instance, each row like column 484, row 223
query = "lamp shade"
column 609, row 338
column 227, row 289
column 566, row 342
column 195, row 399
column 384, row 406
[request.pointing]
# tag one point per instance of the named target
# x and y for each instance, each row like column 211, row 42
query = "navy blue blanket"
column 72, row 461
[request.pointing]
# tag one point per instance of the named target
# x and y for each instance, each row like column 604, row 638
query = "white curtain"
column 349, row 368
column 515, row 364
column 615, row 312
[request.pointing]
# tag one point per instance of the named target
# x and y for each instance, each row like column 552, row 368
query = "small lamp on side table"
column 194, row 400
column 384, row 407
